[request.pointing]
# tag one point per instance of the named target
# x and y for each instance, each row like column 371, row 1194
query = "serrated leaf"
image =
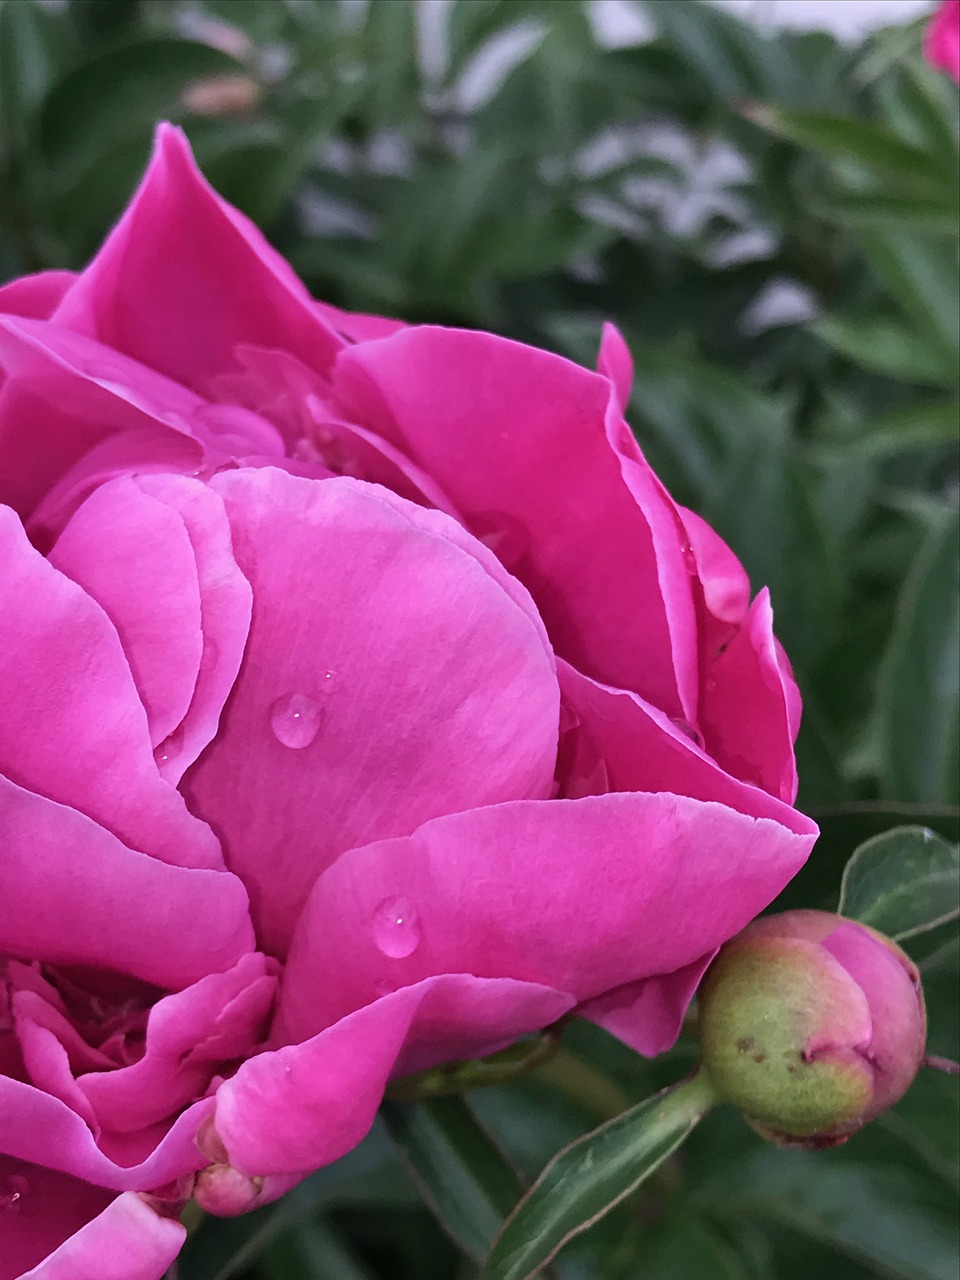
column 465, row 1180
column 587, row 1179
column 903, row 882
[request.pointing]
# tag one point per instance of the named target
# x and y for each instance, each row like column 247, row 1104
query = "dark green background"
column 667, row 185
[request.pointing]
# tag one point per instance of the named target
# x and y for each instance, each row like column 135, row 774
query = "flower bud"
column 812, row 1025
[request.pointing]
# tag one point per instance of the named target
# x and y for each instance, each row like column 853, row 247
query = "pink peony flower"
column 368, row 703
column 941, row 44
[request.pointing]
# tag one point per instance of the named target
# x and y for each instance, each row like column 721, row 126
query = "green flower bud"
column 812, row 1025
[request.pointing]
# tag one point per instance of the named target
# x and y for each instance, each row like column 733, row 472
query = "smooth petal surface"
column 71, row 712
column 305, row 1105
column 379, row 686
column 63, row 396
column 580, row 895
column 73, row 894
column 648, row 1015
column 517, row 438
column 39, row 1211
column 750, row 707
column 129, row 1240
column 37, row 296
column 182, row 302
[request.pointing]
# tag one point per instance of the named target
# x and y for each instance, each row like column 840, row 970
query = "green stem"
column 496, row 1068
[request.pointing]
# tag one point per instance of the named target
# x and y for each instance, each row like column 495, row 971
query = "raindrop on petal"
column 396, row 928
column 295, row 720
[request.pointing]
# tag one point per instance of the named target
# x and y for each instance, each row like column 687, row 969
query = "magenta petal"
column 73, row 894
column 580, row 895
column 356, row 325
column 648, row 1015
column 218, row 1019
column 644, row 750
column 616, row 363
column 72, row 713
column 391, row 698
column 129, row 1240
column 66, row 394
column 39, row 1211
column 517, row 438
column 305, row 1105
column 132, row 555
column 750, row 709
column 184, row 278
column 36, row 296
column 36, row 1127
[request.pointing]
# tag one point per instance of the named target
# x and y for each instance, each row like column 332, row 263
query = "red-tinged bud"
column 224, row 1191
column 812, row 1025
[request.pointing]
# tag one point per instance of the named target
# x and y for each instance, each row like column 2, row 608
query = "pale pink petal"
column 73, row 894
column 72, row 716
column 750, row 707
column 36, row 295
column 379, row 686
column 517, row 438
column 580, row 895
column 305, row 1105
column 183, row 278
column 129, row 1240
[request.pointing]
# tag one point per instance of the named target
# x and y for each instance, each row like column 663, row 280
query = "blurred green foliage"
column 772, row 220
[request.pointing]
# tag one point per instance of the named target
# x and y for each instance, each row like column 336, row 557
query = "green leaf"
column 919, row 694
column 592, row 1175
column 925, row 212
column 879, row 1215
column 920, row 272
column 888, row 347
column 849, row 138
column 119, row 94
column 903, row 882
column 464, row 1179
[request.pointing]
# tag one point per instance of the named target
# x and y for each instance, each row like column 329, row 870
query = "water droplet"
column 169, row 748
column 328, row 682
column 690, row 560
column 396, row 928
column 686, row 727
column 295, row 720
column 12, row 1191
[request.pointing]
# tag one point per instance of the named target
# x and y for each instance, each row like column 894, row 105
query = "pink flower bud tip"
column 812, row 1025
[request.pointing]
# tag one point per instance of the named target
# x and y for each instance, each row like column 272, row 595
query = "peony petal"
column 616, row 363
column 39, row 1211
column 517, row 438
column 644, row 750
column 580, row 895
column 36, row 1127
column 132, row 555
column 129, row 1240
column 356, row 325
column 217, row 1020
column 390, row 699
column 63, row 396
column 73, row 894
column 71, row 712
column 183, row 278
column 36, row 296
column 648, row 1015
column 305, row 1105
column 750, row 709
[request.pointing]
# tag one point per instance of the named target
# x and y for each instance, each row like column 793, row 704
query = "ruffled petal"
column 73, row 894
column 71, row 712
column 579, row 895
column 390, row 698
column 305, row 1105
